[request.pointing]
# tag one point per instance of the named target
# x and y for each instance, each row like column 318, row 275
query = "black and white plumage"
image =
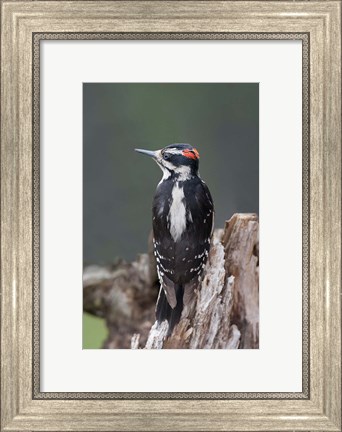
column 183, row 215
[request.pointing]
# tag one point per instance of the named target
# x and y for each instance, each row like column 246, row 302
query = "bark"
column 225, row 310
column 124, row 294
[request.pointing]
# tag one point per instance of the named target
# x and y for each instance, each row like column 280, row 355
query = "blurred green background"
column 94, row 331
column 221, row 120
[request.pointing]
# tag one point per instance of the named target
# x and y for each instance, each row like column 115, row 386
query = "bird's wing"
column 193, row 249
column 164, row 251
column 182, row 262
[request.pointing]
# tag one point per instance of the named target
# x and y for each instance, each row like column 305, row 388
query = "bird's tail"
column 165, row 312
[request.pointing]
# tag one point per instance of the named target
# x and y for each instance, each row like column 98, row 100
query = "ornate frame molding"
column 37, row 37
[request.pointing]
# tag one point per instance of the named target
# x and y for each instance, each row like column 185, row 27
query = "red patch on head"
column 191, row 154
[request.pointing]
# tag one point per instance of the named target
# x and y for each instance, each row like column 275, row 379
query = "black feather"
column 165, row 312
column 181, row 261
column 177, row 259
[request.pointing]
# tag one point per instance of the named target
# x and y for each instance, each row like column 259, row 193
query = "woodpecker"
column 182, row 219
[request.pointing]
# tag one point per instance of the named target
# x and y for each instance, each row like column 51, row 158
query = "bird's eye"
column 166, row 156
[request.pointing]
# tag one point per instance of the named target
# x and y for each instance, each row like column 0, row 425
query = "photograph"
column 168, row 182
column 170, row 215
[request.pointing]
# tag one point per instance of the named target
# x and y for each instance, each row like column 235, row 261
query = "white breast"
column 177, row 213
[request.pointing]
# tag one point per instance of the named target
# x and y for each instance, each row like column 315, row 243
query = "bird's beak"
column 152, row 154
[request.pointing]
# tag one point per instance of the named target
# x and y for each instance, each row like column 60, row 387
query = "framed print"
column 190, row 110
column 192, row 284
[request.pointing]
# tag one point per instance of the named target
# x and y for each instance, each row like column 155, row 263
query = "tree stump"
column 224, row 313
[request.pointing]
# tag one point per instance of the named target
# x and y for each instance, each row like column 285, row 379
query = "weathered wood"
column 241, row 243
column 124, row 295
column 225, row 310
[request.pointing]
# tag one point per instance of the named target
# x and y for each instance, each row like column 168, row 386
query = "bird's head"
column 179, row 160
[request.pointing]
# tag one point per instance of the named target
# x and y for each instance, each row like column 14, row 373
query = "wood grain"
column 224, row 312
